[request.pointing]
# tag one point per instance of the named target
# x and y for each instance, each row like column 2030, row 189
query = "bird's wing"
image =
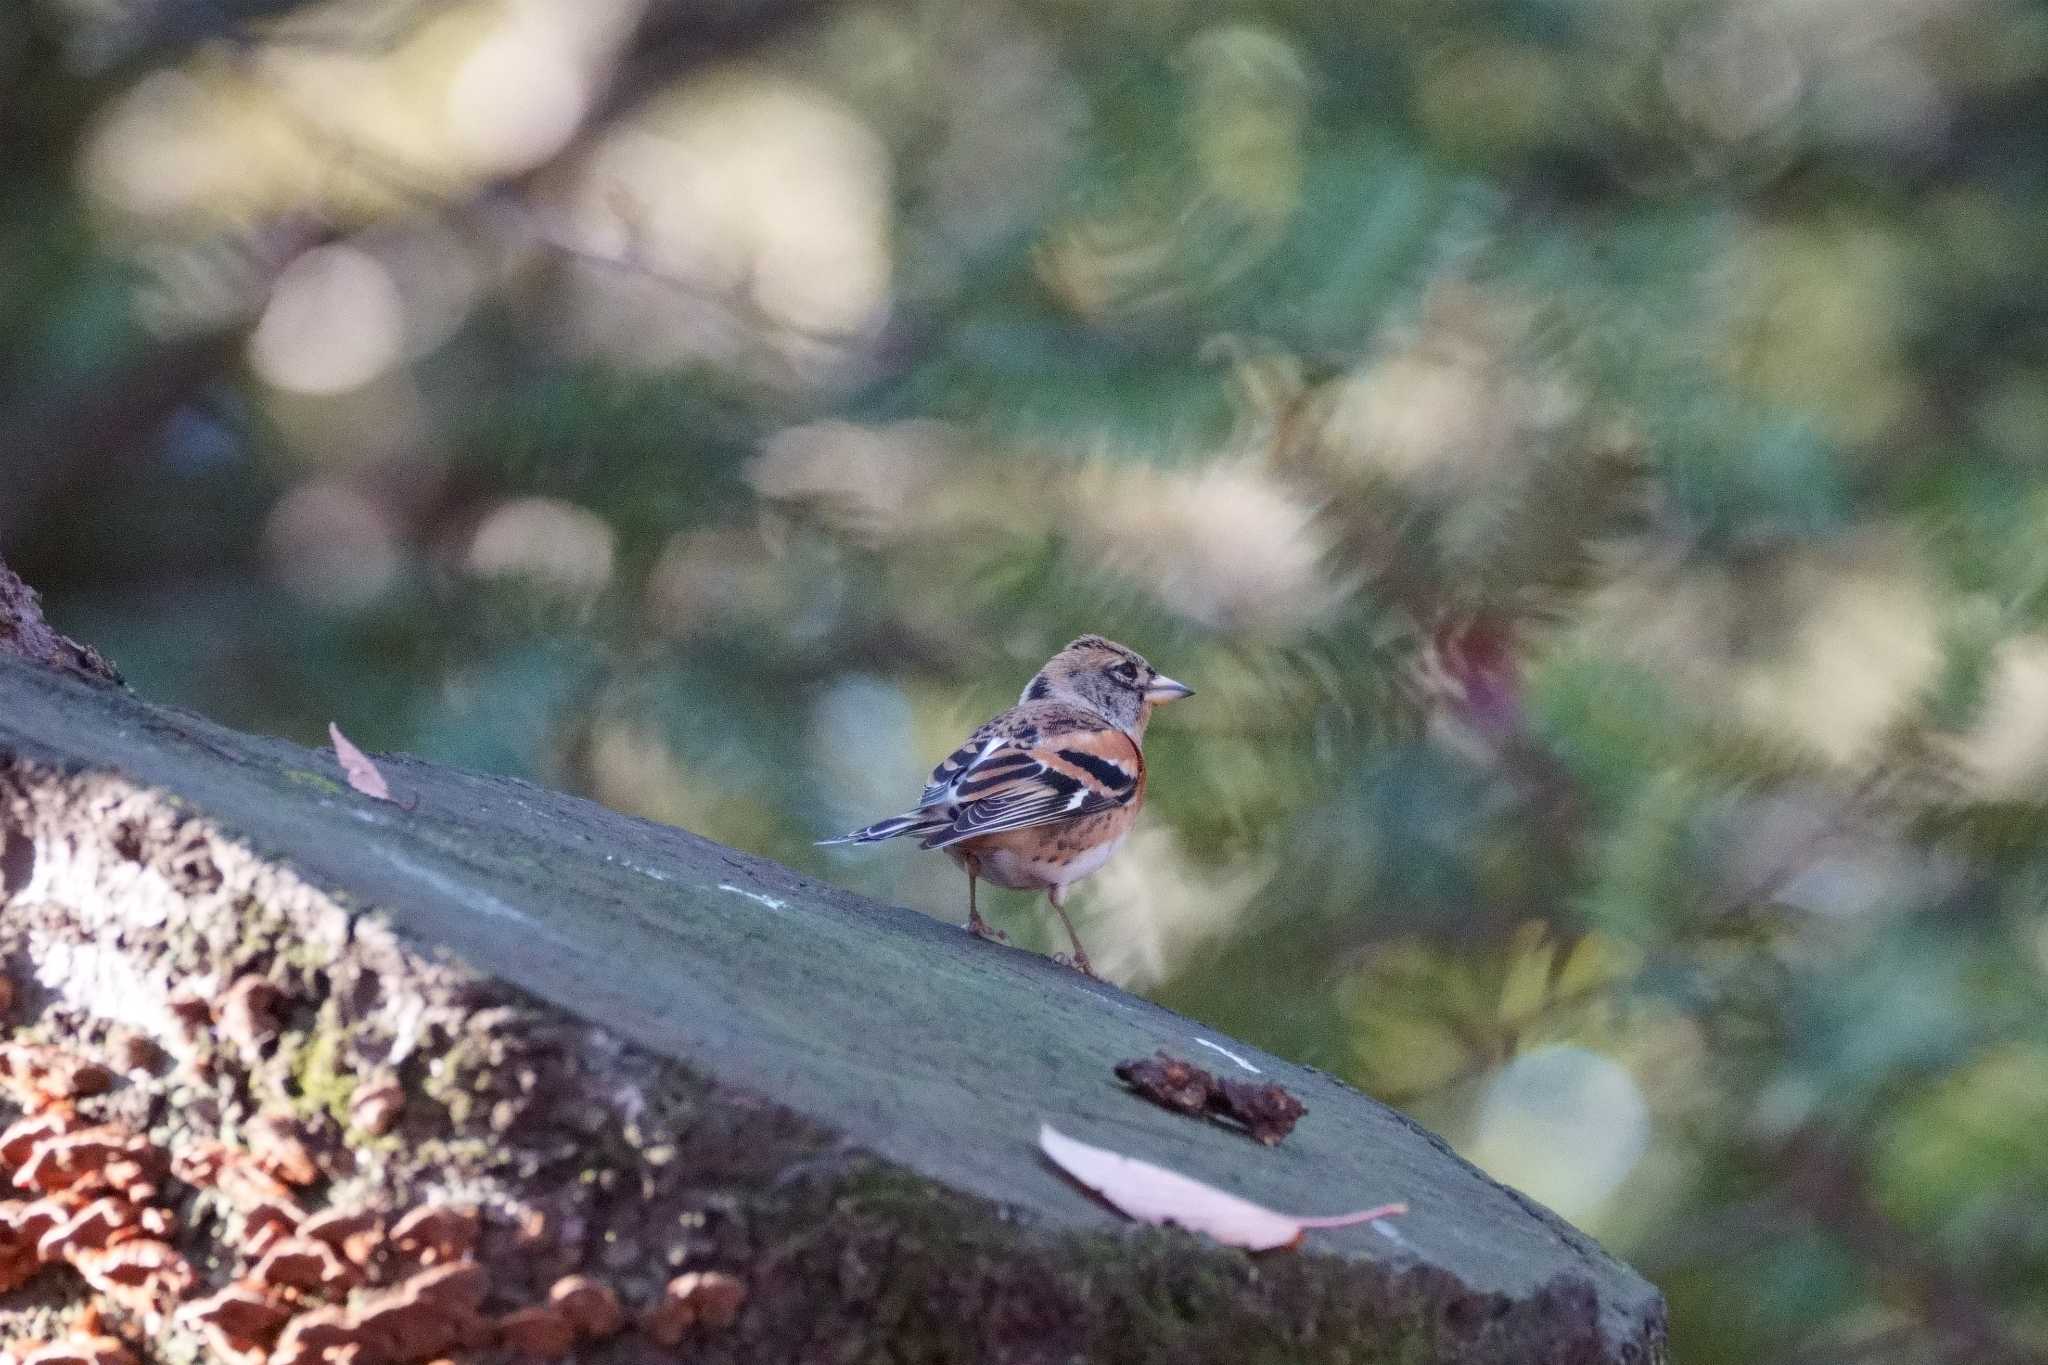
column 988, row 751
column 1011, row 783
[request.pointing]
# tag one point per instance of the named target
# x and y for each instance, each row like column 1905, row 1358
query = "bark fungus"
column 277, row 1248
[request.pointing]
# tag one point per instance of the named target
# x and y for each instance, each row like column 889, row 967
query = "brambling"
column 1042, row 795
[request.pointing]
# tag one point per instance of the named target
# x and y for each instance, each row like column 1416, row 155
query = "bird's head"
column 1107, row 678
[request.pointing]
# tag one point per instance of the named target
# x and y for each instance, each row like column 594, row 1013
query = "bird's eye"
column 1125, row 673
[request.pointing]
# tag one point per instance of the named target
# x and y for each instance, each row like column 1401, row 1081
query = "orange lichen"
column 665, row 1321
column 134, row 1052
column 309, row 1289
column 309, row 1336
column 376, row 1105
column 93, row 1214
column 200, row 1162
column 21, row 1137
column 430, row 1313
column 89, row 1160
column 277, row 1147
column 240, row 1320
column 355, row 1234
column 145, row 1277
column 266, row 1224
column 530, row 1226
column 136, row 1179
column 459, row 1284
column 238, row 1178
column 715, row 1295
column 401, row 1324
column 19, row 1260
column 710, row 1297
column 541, row 1332
column 80, row 1349
column 306, row 1265
column 252, row 1190
column 97, row 1224
column 436, row 1232
column 248, row 1013
column 86, row 1321
column 590, row 1304
column 241, row 1309
column 32, row 1222
column 190, row 1010
column 17, row 1268
column 41, row 1075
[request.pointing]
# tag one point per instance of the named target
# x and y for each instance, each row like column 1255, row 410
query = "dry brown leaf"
column 1268, row 1112
column 362, row 773
column 1153, row 1194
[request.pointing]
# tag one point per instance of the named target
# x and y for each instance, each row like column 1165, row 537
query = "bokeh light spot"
column 331, row 546
column 335, row 322
column 548, row 542
column 517, row 99
column 1564, row 1125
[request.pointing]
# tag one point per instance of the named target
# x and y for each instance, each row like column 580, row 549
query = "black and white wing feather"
column 1020, row 770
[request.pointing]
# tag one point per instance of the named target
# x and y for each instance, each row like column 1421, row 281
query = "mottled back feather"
column 1067, row 750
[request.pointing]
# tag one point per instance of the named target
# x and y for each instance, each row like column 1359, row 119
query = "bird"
column 1044, row 794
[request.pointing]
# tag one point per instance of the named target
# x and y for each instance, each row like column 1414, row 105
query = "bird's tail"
column 912, row 822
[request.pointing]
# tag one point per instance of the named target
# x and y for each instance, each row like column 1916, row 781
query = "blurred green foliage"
column 1590, row 456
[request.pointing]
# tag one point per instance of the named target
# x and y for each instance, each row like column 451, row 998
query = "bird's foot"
column 981, row 928
column 1079, row 962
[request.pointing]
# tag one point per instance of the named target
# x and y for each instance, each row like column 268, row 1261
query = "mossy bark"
column 639, row 1053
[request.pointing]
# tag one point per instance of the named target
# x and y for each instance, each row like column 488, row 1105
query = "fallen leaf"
column 1267, row 1112
column 1169, row 1082
column 1153, row 1194
column 362, row 773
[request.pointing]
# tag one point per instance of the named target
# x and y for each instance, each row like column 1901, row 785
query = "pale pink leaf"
column 1153, row 1194
column 362, row 773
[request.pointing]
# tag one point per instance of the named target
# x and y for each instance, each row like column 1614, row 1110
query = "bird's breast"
column 1047, row 855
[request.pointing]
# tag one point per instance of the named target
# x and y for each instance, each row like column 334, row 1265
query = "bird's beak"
column 1164, row 689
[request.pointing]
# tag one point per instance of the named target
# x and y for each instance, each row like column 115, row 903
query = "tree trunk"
column 641, row 1054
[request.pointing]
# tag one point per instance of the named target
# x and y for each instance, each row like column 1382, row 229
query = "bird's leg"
column 1054, row 896
column 976, row 925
